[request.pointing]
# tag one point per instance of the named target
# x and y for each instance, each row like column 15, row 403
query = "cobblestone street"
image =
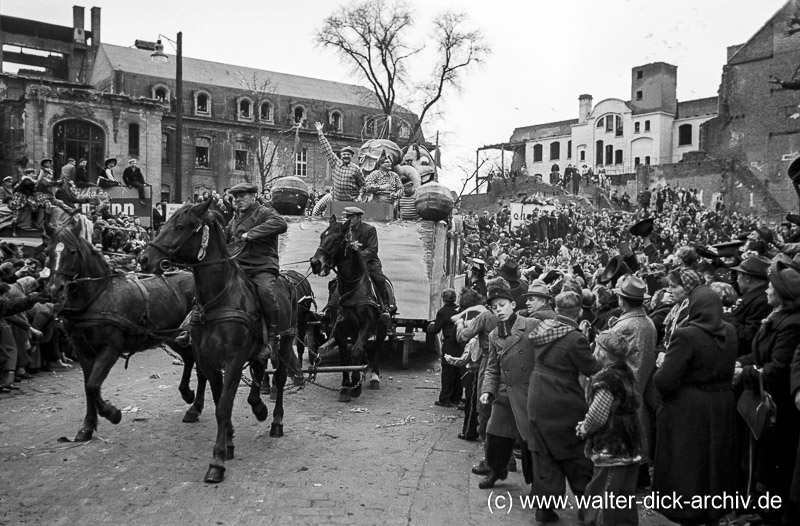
column 390, row 457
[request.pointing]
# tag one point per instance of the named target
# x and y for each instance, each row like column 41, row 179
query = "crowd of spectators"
column 32, row 339
column 616, row 347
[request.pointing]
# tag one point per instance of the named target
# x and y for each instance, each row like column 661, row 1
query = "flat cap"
column 243, row 188
column 353, row 211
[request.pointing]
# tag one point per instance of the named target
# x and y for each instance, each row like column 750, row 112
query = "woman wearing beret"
column 772, row 354
column 695, row 423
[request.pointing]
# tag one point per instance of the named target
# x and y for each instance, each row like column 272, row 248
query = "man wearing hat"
column 751, row 278
column 346, row 176
column 640, row 332
column 510, row 272
column 538, row 301
column 364, row 238
column 133, row 177
column 258, row 227
column 477, row 281
column 7, row 190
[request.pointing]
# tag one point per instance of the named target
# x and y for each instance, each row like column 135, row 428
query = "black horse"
column 110, row 314
column 226, row 327
column 358, row 309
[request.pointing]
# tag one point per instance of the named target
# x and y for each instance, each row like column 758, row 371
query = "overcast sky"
column 545, row 53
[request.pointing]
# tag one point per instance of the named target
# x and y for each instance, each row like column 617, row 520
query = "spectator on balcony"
column 134, row 178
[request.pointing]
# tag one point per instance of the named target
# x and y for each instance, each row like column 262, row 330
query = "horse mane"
column 67, row 235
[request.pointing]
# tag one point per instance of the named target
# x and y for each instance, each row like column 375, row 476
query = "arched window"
column 537, row 153
column 266, row 112
column 600, row 122
column 299, row 115
column 685, row 135
column 202, row 103
column 335, row 121
column 79, row 140
column 245, row 109
column 555, row 151
column 160, row 92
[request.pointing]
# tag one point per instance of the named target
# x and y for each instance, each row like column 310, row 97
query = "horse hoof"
column 276, row 430
column 356, row 392
column 191, row 416
column 84, row 435
column 215, row 474
column 229, row 452
column 375, row 385
column 187, row 395
column 261, row 412
column 115, row 417
column 273, row 396
column 344, row 395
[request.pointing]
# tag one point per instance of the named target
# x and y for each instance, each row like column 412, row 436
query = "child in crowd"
column 613, row 434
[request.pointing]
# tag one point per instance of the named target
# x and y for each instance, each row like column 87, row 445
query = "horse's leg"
column 257, row 405
column 359, row 356
column 188, row 364
column 102, row 366
column 90, row 420
column 193, row 413
column 374, row 357
column 216, row 471
column 276, row 429
column 344, row 359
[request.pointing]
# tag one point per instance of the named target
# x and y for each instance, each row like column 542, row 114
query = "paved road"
column 390, row 457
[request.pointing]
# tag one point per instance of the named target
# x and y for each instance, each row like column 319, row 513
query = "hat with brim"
column 706, row 252
column 642, row 228
column 478, row 265
column 728, row 249
column 110, row 160
column 498, row 288
column 631, row 287
column 793, row 218
column 757, row 266
column 538, row 288
column 243, row 188
column 615, row 269
column 510, row 270
column 48, row 160
column 352, row 211
column 347, row 149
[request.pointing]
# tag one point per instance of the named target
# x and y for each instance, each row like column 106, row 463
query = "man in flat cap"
column 258, row 227
column 364, row 238
column 346, row 176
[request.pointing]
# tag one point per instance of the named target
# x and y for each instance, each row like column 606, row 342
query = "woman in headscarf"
column 695, row 423
column 682, row 281
column 772, row 351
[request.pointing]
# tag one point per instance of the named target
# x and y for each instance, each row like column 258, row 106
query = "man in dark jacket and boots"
column 451, row 374
column 258, row 227
column 133, row 177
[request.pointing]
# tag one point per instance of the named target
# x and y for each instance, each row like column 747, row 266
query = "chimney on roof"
column 584, row 108
column 95, row 27
column 78, row 12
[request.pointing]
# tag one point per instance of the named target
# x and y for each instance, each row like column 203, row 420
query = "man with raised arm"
column 346, row 176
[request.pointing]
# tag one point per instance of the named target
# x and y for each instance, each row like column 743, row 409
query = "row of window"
column 555, row 151
column 246, row 110
column 241, row 155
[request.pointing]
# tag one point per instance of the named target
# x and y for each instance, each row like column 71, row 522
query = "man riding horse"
column 363, row 238
column 258, row 226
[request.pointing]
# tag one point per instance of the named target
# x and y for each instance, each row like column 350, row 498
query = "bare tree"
column 372, row 36
column 270, row 160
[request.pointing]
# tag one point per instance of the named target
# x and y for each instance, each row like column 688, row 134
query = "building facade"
column 652, row 127
column 239, row 124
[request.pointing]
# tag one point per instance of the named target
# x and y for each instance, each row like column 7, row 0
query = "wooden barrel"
column 434, row 202
column 290, row 196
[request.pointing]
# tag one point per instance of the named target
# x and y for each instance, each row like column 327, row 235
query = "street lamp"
column 160, row 57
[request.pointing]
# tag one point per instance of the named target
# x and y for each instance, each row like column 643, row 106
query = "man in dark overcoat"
column 556, row 403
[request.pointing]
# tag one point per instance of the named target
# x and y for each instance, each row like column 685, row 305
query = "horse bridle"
column 201, row 255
